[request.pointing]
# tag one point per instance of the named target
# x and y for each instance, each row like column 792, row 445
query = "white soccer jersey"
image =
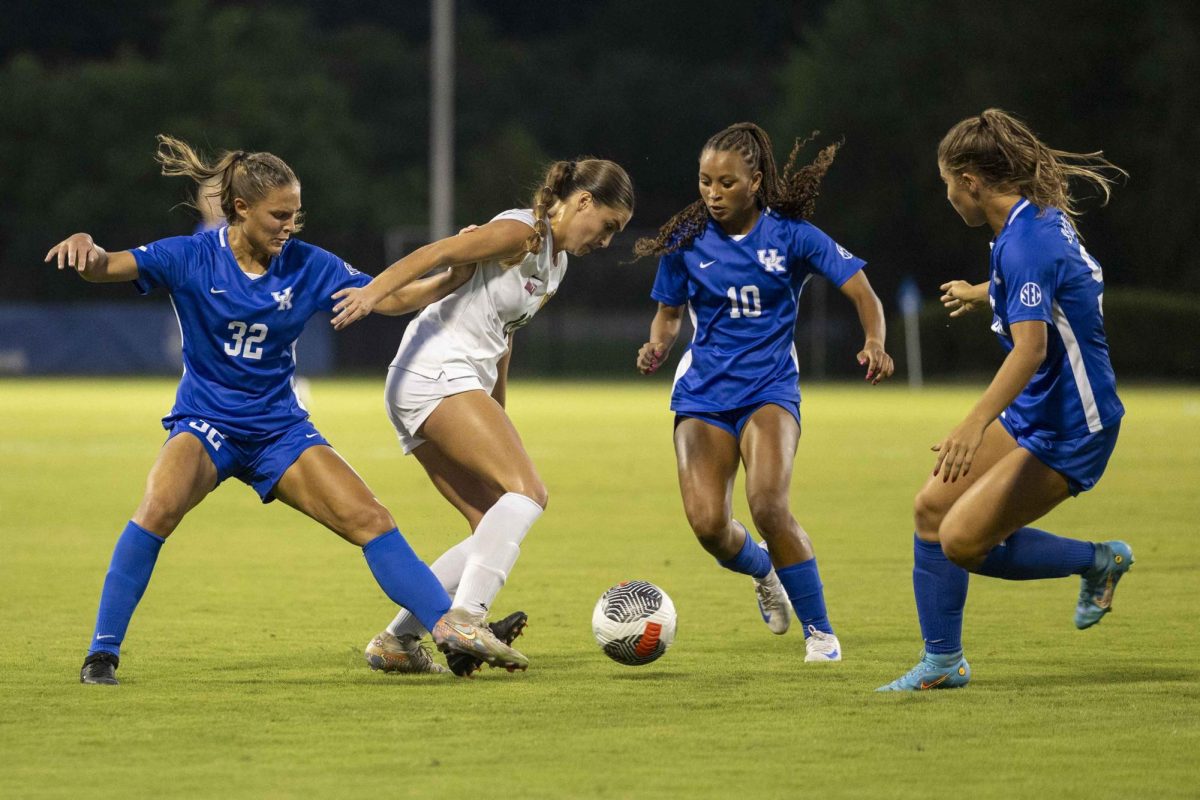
column 466, row 332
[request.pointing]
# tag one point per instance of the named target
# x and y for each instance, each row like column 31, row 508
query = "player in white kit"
column 446, row 386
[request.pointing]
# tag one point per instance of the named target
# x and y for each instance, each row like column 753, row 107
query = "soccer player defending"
column 738, row 258
column 1047, row 424
column 446, row 387
column 242, row 293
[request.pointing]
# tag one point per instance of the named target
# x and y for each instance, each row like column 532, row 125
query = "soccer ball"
column 634, row 622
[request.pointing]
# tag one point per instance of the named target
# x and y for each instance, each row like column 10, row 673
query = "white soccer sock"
column 497, row 545
column 448, row 569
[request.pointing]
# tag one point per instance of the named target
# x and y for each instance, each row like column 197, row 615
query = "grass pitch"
column 243, row 676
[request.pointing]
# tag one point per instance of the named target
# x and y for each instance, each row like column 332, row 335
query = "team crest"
column 771, row 260
column 284, row 299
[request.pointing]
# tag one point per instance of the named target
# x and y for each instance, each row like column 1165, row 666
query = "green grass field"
column 243, row 676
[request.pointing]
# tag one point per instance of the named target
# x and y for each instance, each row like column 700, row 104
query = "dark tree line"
column 341, row 92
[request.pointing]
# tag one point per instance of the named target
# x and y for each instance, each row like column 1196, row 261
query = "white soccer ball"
column 634, row 622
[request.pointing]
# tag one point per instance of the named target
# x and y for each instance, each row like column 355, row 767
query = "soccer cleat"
column 457, row 632
column 1098, row 584
column 821, row 646
column 933, row 671
column 773, row 601
column 100, row 668
column 506, row 630
column 405, row 653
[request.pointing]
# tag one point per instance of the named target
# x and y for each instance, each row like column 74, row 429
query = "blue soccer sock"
column 751, row 560
column 128, row 575
column 940, row 587
column 406, row 579
column 1030, row 554
column 802, row 582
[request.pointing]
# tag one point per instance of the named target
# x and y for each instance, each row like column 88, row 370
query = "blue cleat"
column 933, row 671
column 1098, row 584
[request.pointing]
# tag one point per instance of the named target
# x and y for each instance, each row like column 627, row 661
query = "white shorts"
column 412, row 397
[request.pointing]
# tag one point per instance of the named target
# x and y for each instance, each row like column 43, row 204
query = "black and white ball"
column 634, row 622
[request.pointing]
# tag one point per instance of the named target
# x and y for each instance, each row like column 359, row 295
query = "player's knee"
column 158, row 515
column 365, row 522
column 710, row 524
column 927, row 517
column 771, row 517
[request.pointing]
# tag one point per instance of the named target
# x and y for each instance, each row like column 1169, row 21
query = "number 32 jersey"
column 239, row 332
column 742, row 295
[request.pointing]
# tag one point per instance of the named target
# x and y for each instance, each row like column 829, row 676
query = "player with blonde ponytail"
column 243, row 293
column 1045, row 427
column 446, row 387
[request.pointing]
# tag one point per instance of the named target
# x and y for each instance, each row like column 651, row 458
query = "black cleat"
column 100, row 668
column 506, row 630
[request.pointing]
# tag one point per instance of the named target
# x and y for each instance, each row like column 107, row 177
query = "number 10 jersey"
column 743, row 294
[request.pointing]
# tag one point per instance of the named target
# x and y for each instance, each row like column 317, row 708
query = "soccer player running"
column 1045, row 427
column 738, row 259
column 446, row 387
column 243, row 293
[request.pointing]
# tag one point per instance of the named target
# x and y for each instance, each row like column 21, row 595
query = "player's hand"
column 957, row 451
column 77, row 251
column 651, row 357
column 468, row 229
column 353, row 303
column 960, row 297
column 879, row 364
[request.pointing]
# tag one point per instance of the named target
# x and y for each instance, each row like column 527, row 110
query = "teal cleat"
column 933, row 671
column 1097, row 586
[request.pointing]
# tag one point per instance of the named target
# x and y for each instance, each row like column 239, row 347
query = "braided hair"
column 792, row 193
column 606, row 181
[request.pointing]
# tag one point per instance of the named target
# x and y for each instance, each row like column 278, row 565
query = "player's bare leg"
column 182, row 476
column 707, row 461
column 323, row 486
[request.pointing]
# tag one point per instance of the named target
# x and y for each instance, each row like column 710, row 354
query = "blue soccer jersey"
column 743, row 295
column 240, row 332
column 1041, row 271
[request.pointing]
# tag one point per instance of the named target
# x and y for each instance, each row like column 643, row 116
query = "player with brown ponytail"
column 1045, row 427
column 446, row 386
column 738, row 258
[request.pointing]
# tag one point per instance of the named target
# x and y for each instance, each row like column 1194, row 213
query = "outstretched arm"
column 870, row 314
column 93, row 262
column 424, row 291
column 664, row 330
column 500, row 238
column 957, row 450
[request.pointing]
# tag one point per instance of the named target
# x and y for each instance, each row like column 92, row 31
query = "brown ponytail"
column 1007, row 155
column 606, row 181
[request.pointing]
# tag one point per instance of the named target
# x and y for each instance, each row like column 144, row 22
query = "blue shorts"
column 1080, row 460
column 735, row 419
column 260, row 463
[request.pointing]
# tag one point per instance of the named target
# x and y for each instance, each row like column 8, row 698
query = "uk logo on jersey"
column 771, row 260
column 284, row 299
column 1031, row 295
column 350, row 269
column 844, row 253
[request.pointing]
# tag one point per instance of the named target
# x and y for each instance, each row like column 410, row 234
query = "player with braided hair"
column 1047, row 424
column 738, row 259
column 446, row 387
